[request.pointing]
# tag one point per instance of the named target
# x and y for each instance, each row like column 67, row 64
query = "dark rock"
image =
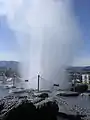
column 48, row 111
column 28, row 111
column 43, row 95
column 24, row 111
column 26, row 80
column 56, row 85
column 1, row 107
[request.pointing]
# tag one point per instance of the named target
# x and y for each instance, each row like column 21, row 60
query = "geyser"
column 61, row 39
column 53, row 37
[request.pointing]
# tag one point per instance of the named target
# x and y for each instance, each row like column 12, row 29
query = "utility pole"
column 38, row 82
column 14, row 79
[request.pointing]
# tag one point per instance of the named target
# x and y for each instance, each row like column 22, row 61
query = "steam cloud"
column 47, row 35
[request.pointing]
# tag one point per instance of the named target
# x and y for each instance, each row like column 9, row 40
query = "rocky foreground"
column 16, row 107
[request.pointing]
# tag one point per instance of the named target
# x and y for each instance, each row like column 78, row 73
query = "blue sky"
column 7, row 36
column 81, row 11
column 7, row 41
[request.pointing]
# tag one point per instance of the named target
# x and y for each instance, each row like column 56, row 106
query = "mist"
column 47, row 37
column 61, row 41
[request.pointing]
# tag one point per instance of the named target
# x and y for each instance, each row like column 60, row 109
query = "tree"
column 81, row 88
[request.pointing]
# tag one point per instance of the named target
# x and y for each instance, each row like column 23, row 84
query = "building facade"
column 79, row 75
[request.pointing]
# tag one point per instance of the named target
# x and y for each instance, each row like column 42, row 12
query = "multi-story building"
column 79, row 74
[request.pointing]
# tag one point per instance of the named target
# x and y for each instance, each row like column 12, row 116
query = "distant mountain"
column 14, row 65
column 79, row 69
column 9, row 64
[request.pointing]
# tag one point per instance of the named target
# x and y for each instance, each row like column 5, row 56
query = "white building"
column 85, row 78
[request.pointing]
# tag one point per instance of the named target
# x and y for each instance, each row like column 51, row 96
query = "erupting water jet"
column 53, row 37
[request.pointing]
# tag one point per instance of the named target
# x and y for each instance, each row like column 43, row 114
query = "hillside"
column 14, row 65
column 79, row 69
column 9, row 64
